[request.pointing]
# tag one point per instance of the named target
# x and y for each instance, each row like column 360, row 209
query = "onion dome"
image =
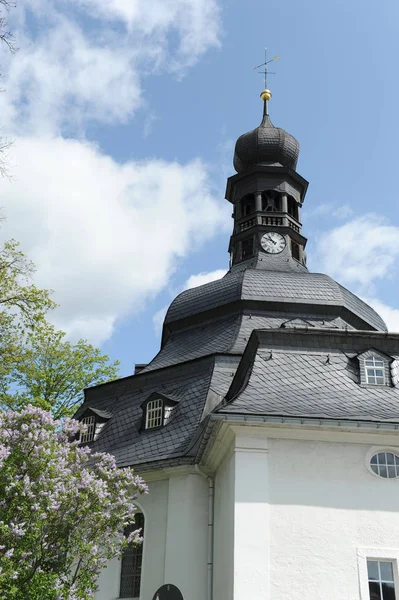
column 266, row 145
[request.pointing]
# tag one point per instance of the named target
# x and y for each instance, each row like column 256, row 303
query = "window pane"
column 375, row 468
column 381, row 458
column 383, row 472
column 390, row 458
column 374, row 589
column 391, row 472
column 386, row 571
column 397, row 460
column 374, row 460
column 372, row 568
column 388, row 591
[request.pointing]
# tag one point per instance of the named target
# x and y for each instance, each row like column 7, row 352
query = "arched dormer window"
column 94, row 421
column 154, row 414
column 157, row 411
column 131, row 562
column 374, row 368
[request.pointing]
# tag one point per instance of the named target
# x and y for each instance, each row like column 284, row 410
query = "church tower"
column 267, row 195
column 266, row 426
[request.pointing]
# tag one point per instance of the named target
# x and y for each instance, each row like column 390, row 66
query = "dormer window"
column 374, row 368
column 157, row 411
column 88, row 434
column 94, row 421
column 375, row 371
column 154, row 415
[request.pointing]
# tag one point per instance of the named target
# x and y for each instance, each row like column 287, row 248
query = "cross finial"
column 266, row 94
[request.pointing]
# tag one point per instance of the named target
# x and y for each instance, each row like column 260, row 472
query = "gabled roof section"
column 310, row 373
column 372, row 351
column 103, row 414
column 168, row 400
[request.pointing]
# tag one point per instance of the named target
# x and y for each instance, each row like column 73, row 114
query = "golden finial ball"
column 266, row 95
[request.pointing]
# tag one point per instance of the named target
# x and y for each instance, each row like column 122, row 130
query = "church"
column 267, row 426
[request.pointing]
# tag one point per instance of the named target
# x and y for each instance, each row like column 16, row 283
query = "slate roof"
column 189, row 384
column 308, row 292
column 265, row 145
column 313, row 373
column 230, row 335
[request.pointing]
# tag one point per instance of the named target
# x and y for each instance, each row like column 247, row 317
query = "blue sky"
column 125, row 113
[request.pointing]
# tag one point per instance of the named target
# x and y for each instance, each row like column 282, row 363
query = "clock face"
column 273, row 242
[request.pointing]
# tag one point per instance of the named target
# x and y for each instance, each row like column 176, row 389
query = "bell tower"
column 267, row 194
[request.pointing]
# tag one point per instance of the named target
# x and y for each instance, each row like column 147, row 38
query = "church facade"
column 267, row 425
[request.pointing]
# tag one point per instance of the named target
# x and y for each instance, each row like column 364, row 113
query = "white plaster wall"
column 187, row 536
column 175, row 540
column 324, row 506
column 155, row 508
column 224, row 531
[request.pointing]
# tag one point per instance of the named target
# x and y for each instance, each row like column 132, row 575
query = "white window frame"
column 88, row 435
column 376, row 450
column 373, row 368
column 383, row 554
column 154, row 414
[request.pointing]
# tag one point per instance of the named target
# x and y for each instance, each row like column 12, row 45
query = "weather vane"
column 266, row 72
column 266, row 94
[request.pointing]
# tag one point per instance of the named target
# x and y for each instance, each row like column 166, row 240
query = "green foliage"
column 37, row 365
column 51, row 372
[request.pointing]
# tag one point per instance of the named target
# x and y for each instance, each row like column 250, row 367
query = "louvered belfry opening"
column 132, row 560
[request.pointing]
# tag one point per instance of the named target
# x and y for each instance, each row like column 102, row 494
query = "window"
column 247, row 205
column 90, row 424
column 132, row 559
column 385, row 464
column 154, row 415
column 247, row 248
column 375, row 370
column 271, row 201
column 295, row 250
column 380, row 579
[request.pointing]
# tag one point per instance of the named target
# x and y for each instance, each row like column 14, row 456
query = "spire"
column 266, row 94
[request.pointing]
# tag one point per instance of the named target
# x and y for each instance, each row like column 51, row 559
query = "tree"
column 37, row 365
column 62, row 509
column 52, row 373
column 6, row 39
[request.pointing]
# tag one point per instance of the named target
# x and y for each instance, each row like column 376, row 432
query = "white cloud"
column 65, row 75
column 359, row 252
column 192, row 282
column 202, row 278
column 389, row 314
column 197, row 22
column 103, row 235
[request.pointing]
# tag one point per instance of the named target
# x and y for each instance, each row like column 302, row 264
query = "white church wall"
column 326, row 509
column 175, row 540
column 296, row 518
column 223, row 553
column 187, row 536
column 155, row 509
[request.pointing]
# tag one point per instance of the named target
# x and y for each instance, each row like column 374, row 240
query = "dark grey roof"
column 189, row 385
column 313, row 374
column 266, row 145
column 104, row 414
column 230, row 335
column 273, row 291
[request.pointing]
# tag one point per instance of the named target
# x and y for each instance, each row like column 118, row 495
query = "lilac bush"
column 63, row 509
